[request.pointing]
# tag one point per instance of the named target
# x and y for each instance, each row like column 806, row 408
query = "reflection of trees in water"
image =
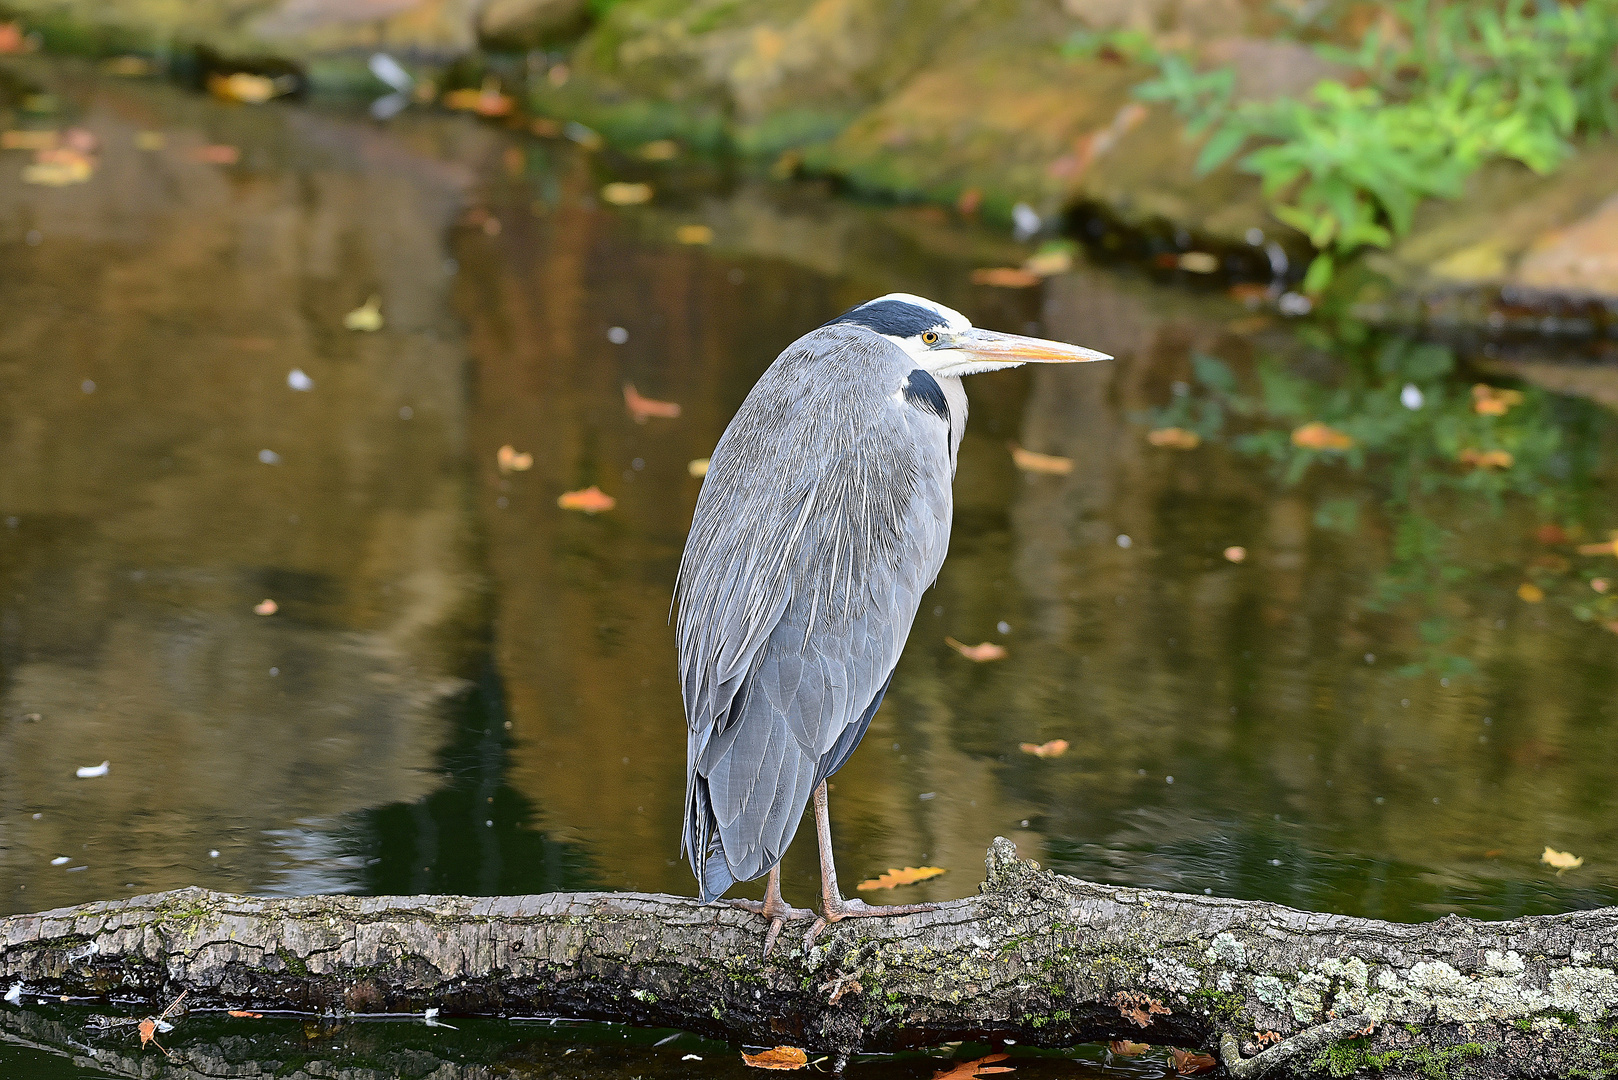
column 476, row 834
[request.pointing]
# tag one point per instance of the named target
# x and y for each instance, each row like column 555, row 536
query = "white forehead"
column 949, row 315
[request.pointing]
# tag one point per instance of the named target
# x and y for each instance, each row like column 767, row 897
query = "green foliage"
column 1418, row 462
column 1463, row 84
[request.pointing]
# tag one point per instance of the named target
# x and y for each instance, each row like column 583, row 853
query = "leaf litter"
column 1054, row 748
column 1049, row 464
column 592, row 500
column 968, row 1070
column 510, row 461
column 782, row 1057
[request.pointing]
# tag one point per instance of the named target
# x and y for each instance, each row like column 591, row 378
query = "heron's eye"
column 928, row 337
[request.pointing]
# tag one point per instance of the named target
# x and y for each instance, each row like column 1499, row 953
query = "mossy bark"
column 1036, row 957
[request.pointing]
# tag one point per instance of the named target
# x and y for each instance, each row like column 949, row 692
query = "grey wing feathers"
column 824, row 514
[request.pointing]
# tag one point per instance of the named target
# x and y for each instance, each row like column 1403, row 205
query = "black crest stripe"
column 923, row 391
column 891, row 317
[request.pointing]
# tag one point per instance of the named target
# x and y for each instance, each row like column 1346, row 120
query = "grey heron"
column 824, row 515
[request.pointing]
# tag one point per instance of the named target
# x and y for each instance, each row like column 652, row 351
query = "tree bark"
column 1035, row 958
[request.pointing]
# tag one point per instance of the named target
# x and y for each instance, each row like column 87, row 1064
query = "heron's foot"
column 858, row 909
column 777, row 910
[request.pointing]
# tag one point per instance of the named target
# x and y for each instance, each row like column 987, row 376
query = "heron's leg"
column 835, row 908
column 773, row 907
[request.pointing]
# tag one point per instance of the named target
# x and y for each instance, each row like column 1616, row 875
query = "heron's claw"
column 859, row 909
column 778, row 911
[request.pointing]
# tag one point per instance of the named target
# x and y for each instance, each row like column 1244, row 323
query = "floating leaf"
column 1600, row 584
column 249, row 89
column 1492, row 401
column 894, row 878
column 1050, row 464
column 1048, row 263
column 243, row 1014
column 1485, row 459
column 660, row 150
column 1054, row 748
column 510, row 461
column 1198, row 262
column 217, row 154
column 1174, row 438
column 643, row 408
column 1608, row 547
column 988, row 650
column 1562, row 860
column 59, row 168
column 697, row 467
column 968, row 1070
column 1005, row 277
column 1189, row 1063
column 266, row 607
column 620, row 193
column 87, row 772
column 1530, row 592
column 694, row 234
column 782, row 1057
column 592, row 500
column 1126, row 1048
column 367, row 318
column 1235, row 553
column 1318, row 436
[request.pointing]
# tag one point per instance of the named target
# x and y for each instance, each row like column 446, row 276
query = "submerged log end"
column 1035, row 958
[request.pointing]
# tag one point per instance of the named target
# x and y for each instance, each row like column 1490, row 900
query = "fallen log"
column 1036, row 958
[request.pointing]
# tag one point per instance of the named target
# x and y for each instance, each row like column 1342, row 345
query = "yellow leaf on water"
column 694, row 234
column 592, row 500
column 660, row 150
column 150, row 140
column 1530, row 592
column 1318, row 436
column 509, row 460
column 1054, row 748
column 1174, row 438
column 621, row 194
column 1485, row 459
column 988, row 650
column 1492, row 401
column 907, row 876
column 782, row 1057
column 698, row 467
column 1048, row 263
column 1050, row 464
column 367, row 317
column 1562, row 860
column 1127, row 1048
column 1198, row 262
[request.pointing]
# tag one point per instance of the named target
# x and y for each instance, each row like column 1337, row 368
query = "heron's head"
column 943, row 342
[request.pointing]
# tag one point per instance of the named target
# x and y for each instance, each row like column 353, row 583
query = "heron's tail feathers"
column 716, row 878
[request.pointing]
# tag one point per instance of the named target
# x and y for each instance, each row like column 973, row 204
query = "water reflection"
column 474, row 690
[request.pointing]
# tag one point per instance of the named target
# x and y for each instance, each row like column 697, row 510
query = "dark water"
column 467, row 689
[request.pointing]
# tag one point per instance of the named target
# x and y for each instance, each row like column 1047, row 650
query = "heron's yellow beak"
column 988, row 350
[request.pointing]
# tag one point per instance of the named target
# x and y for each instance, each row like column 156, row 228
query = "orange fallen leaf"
column 969, row 202
column 1005, row 277
column 1126, row 1048
column 1606, row 547
column 509, row 460
column 1600, row 584
column 1250, row 293
column 266, row 607
column 782, row 1057
column 1492, row 401
column 217, row 154
column 1530, row 592
column 1318, row 436
column 1551, row 533
column 243, row 1014
column 694, row 234
column 968, row 1070
column 1054, row 748
column 642, row 408
column 988, row 650
column 1050, row 464
column 1485, row 459
column 1189, row 1063
column 1174, row 438
column 592, row 500
column 909, row 875
column 148, row 1032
